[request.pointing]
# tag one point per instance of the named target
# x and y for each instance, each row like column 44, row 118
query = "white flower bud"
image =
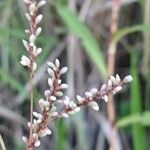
column 24, row 139
column 37, row 143
column 88, row 94
column 25, row 61
column 118, row 78
column 77, row 109
column 59, row 93
column 57, row 63
column 53, row 98
column 32, row 38
column 113, row 79
column 63, row 70
column 34, row 66
column 117, row 89
column 128, row 79
column 94, row 105
column 93, row 91
column 27, row 1
column 50, row 82
column 41, row 3
column 80, row 99
column 38, row 19
column 47, row 93
column 51, row 65
column 38, row 115
column 103, row 87
column 59, row 81
column 28, row 17
column 65, row 115
column 38, row 31
column 72, row 104
column 32, row 9
column 105, row 97
column 63, row 86
column 50, row 72
column 37, row 51
column 67, row 101
column 26, row 45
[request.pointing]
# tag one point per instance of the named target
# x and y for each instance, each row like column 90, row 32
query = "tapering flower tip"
column 32, row 8
column 34, row 67
column 93, row 91
column 38, row 31
column 64, row 86
column 94, row 105
column 53, row 98
column 37, row 143
column 57, row 63
column 37, row 115
column 127, row 79
column 50, row 72
column 28, row 17
column 25, row 61
column 26, row 45
column 113, row 79
column 38, row 19
column 50, row 82
column 80, row 99
column 63, row 70
column 24, row 139
column 88, row 94
column 118, row 78
column 105, row 98
column 103, row 87
column 67, row 101
column 117, row 89
column 51, row 65
column 109, row 84
column 72, row 104
column 41, row 3
column 65, row 115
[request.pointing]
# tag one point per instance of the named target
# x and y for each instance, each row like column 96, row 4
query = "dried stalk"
column 111, row 66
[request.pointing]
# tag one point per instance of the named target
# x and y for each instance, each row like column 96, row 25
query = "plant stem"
column 111, row 67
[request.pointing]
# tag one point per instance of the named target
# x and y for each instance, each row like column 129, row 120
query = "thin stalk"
column 111, row 67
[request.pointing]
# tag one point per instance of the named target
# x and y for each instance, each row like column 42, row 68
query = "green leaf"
column 137, row 118
column 136, row 106
column 88, row 41
column 137, row 28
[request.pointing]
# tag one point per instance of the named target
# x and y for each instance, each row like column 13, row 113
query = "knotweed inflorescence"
column 53, row 106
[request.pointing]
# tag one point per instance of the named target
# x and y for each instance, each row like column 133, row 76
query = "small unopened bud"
column 128, row 79
column 38, row 19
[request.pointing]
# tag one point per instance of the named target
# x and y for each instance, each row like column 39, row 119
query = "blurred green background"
column 78, row 33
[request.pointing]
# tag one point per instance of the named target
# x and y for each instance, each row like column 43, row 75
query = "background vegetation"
column 79, row 36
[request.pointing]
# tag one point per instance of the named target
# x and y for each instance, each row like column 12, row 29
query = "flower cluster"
column 34, row 19
column 53, row 106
